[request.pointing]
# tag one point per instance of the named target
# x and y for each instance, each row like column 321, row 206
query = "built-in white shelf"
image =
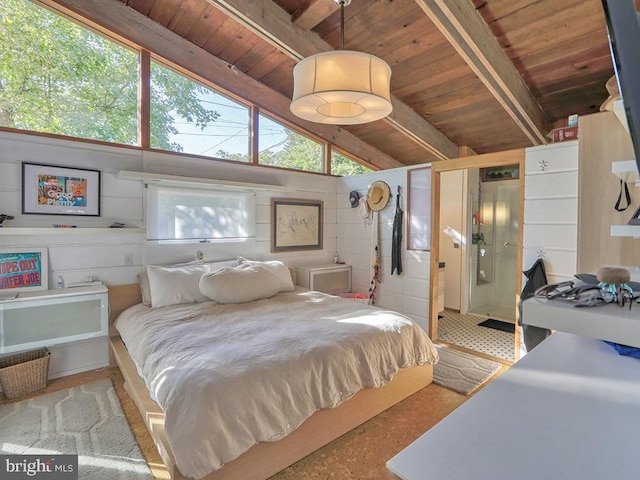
column 625, row 231
column 619, row 110
column 606, row 322
column 211, row 182
column 70, row 231
column 627, row 171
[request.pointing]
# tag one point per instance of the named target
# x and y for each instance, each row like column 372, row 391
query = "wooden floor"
column 360, row 454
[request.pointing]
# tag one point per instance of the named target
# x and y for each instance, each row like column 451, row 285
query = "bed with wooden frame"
column 263, row 459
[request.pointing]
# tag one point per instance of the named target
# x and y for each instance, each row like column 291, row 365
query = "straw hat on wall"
column 378, row 195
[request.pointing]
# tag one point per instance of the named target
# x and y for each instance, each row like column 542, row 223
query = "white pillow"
column 213, row 266
column 174, row 285
column 276, row 267
column 145, row 290
column 242, row 284
column 143, row 281
column 143, row 277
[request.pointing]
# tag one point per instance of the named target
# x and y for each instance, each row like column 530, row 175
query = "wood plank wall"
column 603, row 140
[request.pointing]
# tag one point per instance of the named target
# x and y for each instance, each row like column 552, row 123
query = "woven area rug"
column 86, row 420
column 462, row 372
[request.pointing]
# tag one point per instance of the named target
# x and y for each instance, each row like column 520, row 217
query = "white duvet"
column 229, row 376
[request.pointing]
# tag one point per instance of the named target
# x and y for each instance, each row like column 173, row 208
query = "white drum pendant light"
column 342, row 87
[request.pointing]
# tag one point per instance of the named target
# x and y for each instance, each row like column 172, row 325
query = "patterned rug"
column 462, row 372
column 86, row 420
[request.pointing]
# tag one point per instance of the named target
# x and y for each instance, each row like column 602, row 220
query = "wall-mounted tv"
column 623, row 23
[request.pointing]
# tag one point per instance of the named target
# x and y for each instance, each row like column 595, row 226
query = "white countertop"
column 570, row 409
column 13, row 297
column 607, row 322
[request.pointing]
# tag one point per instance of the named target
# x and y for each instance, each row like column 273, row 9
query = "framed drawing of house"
column 296, row 224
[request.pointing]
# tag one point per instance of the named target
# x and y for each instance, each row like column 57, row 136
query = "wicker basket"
column 24, row 372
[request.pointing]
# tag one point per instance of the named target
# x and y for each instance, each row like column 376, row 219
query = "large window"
column 59, row 77
column 56, row 77
column 187, row 214
column 187, row 117
column 345, row 166
column 282, row 147
column 419, row 209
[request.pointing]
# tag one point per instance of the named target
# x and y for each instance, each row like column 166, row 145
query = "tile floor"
column 463, row 330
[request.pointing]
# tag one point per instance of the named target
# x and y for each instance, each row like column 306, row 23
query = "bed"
column 341, row 382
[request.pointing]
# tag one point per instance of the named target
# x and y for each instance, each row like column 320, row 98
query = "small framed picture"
column 635, row 219
column 296, row 225
column 53, row 190
column 23, row 269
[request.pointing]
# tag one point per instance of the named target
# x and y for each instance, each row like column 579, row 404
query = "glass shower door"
column 503, row 294
column 492, row 291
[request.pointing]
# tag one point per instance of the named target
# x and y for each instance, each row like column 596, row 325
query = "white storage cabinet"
column 71, row 322
column 330, row 278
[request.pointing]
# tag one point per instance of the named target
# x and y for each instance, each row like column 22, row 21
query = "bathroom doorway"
column 487, row 239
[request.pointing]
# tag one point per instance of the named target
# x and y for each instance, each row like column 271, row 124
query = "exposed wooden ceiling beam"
column 270, row 22
column 314, row 12
column 114, row 16
column 463, row 26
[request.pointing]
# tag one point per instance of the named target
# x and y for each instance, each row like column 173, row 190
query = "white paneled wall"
column 83, row 253
column 120, row 201
column 551, row 208
column 105, row 253
column 550, row 219
column 79, row 254
column 286, row 185
column 407, row 293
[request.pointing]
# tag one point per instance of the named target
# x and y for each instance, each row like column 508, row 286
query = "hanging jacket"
column 396, row 242
column 536, row 278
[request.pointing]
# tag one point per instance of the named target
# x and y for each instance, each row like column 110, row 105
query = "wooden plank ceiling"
column 490, row 75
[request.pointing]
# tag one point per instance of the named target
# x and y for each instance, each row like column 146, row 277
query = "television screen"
column 623, row 23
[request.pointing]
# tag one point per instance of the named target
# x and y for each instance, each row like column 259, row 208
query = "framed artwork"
column 23, row 269
column 296, row 225
column 53, row 190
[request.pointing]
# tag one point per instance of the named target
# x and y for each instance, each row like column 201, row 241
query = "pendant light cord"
column 342, row 25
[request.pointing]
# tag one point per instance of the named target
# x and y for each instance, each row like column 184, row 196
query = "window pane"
column 57, row 77
column 282, row 147
column 419, row 211
column 187, row 117
column 343, row 165
column 179, row 214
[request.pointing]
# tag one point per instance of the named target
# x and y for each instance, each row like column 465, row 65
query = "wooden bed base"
column 264, row 459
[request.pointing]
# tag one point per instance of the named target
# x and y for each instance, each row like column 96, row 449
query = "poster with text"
column 23, row 270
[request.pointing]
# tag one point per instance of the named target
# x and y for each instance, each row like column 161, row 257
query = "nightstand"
column 328, row 278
